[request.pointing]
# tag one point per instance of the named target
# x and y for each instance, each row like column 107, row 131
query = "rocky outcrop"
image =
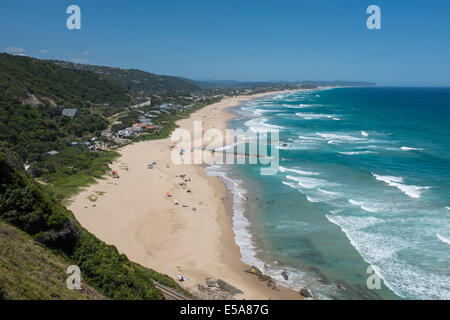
column 211, row 283
column 228, row 287
column 261, row 276
column 305, row 292
column 216, row 290
column 32, row 100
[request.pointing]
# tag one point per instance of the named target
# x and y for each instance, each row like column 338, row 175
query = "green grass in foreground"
column 30, row 271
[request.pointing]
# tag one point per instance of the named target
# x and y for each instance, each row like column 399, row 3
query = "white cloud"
column 86, row 52
column 44, row 51
column 79, row 60
column 15, row 50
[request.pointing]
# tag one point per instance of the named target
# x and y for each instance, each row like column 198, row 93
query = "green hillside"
column 28, row 270
column 25, row 205
column 138, row 82
column 23, row 78
column 32, row 127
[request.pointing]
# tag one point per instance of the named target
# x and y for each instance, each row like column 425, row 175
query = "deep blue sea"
column 364, row 180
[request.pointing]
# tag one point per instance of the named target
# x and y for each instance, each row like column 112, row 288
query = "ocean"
column 362, row 191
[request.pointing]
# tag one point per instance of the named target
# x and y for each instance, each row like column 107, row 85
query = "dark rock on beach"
column 228, row 287
column 210, row 283
column 261, row 276
column 305, row 292
column 216, row 290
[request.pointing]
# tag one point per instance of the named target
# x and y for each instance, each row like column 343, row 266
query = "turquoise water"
column 364, row 180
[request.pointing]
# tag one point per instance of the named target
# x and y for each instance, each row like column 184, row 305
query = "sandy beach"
column 193, row 238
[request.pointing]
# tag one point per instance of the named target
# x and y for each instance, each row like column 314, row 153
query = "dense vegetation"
column 32, row 132
column 27, row 206
column 137, row 81
column 24, row 76
column 32, row 128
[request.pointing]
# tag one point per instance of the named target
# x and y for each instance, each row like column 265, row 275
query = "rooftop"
column 70, row 112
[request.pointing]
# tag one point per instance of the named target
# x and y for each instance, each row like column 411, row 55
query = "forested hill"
column 33, row 81
column 137, row 81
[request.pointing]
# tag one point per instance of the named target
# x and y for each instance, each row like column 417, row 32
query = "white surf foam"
column 307, row 182
column 280, row 96
column 410, row 149
column 314, row 199
column 288, row 146
column 380, row 251
column 322, row 195
column 301, row 106
column 410, row 190
column 301, row 143
column 363, row 205
column 448, row 208
column 352, row 153
column 260, row 123
column 244, row 239
column 330, row 193
column 290, row 184
column 260, row 112
column 314, row 116
column 443, row 239
column 309, row 138
column 364, row 133
column 300, row 172
column 339, row 138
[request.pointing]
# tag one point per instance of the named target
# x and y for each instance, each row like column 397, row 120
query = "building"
column 142, row 127
column 124, row 133
column 72, row 113
column 52, row 153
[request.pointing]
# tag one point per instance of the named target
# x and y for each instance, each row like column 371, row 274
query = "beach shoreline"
column 193, row 238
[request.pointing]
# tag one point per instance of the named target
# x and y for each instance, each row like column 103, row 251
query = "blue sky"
column 242, row 40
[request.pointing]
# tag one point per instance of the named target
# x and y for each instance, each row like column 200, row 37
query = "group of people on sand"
column 182, row 184
column 184, row 181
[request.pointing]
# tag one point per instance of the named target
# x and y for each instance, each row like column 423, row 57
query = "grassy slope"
column 64, row 183
column 28, row 270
